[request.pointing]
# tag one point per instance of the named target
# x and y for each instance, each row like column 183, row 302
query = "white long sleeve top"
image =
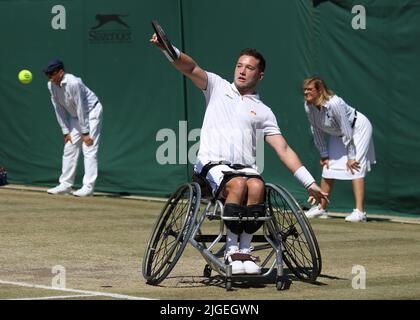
column 334, row 118
column 72, row 98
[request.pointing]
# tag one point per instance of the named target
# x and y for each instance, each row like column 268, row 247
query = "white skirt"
column 365, row 152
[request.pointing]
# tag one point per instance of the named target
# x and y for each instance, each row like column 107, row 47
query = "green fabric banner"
column 367, row 51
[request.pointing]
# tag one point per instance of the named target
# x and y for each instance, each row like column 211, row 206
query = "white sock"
column 245, row 241
column 231, row 241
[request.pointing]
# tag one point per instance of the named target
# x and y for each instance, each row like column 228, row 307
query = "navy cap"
column 53, row 65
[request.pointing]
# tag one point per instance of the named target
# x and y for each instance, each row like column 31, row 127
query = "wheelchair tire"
column 300, row 248
column 171, row 233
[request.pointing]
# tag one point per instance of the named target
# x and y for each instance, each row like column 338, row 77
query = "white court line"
column 56, row 297
column 91, row 293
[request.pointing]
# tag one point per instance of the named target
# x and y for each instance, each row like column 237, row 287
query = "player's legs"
column 358, row 214
column 326, row 186
column 90, row 153
column 359, row 193
column 256, row 190
column 255, row 206
column 70, row 158
column 236, row 191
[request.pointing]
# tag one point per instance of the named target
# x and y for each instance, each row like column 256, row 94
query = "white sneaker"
column 316, row 212
column 83, row 192
column 250, row 266
column 237, row 265
column 356, row 216
column 60, row 189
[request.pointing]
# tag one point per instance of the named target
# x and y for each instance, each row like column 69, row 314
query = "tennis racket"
column 163, row 40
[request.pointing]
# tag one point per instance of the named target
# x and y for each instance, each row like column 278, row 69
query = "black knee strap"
column 255, row 211
column 235, row 210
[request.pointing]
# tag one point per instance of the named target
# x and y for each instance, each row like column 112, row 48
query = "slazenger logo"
column 105, row 30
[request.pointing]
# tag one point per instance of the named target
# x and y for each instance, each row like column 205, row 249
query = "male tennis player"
column 234, row 113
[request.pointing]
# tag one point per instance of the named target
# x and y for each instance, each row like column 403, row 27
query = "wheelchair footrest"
column 246, row 218
column 211, row 238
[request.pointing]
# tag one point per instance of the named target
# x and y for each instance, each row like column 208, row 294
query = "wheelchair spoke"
column 170, row 234
column 300, row 251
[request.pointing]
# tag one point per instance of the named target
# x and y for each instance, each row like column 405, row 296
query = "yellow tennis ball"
column 25, row 76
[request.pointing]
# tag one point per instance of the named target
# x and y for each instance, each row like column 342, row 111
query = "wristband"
column 304, row 177
column 178, row 54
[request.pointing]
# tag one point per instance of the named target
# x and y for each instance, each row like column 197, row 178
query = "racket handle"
column 178, row 54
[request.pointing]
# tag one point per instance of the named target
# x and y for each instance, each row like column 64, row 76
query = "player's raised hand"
column 154, row 40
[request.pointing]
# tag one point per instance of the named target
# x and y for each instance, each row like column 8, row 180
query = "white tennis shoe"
column 60, row 189
column 316, row 212
column 83, row 192
column 250, row 266
column 357, row 216
column 237, row 265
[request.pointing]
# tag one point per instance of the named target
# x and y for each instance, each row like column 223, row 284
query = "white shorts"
column 365, row 152
column 215, row 174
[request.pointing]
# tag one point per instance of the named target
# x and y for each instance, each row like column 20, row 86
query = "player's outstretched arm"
column 293, row 163
column 186, row 65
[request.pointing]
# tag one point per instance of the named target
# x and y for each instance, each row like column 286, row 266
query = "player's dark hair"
column 257, row 55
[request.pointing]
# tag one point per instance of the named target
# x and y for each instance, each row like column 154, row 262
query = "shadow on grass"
column 244, row 282
column 369, row 219
column 113, row 195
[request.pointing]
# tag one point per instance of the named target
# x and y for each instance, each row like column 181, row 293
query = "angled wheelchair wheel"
column 299, row 245
column 171, row 233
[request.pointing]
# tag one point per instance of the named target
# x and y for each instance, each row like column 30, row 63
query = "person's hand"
column 324, row 162
column 67, row 138
column 316, row 194
column 154, row 40
column 87, row 139
column 353, row 165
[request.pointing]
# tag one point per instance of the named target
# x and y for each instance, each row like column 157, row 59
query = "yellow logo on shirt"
column 253, row 113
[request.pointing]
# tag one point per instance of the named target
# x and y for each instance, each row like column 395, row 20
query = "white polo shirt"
column 231, row 124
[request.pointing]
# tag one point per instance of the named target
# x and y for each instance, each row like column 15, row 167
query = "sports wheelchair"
column 286, row 235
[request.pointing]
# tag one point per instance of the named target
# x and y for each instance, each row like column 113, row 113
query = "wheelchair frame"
column 286, row 233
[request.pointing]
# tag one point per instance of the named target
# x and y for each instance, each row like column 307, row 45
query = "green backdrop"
column 151, row 111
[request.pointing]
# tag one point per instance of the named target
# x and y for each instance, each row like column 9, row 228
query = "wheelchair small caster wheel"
column 207, row 271
column 229, row 284
column 283, row 284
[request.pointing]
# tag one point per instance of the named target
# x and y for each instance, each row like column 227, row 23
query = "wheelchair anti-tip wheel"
column 299, row 245
column 171, row 233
